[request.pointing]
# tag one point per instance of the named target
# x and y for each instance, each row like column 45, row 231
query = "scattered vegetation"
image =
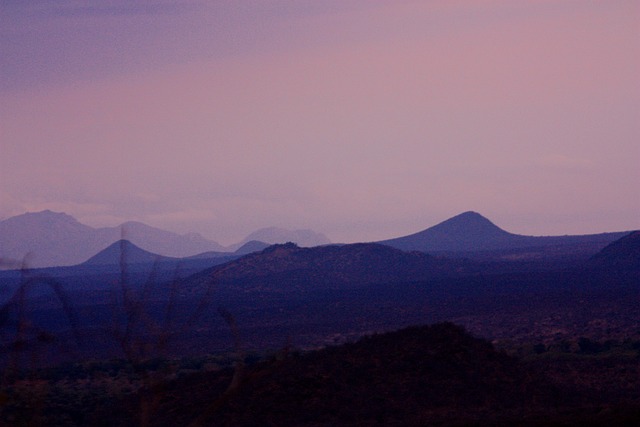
column 565, row 346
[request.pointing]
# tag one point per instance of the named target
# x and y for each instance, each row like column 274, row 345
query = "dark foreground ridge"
column 427, row 375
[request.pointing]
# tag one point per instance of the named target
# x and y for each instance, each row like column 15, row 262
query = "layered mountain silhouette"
column 123, row 251
column 251, row 246
column 49, row 239
column 56, row 239
column 471, row 232
column 247, row 248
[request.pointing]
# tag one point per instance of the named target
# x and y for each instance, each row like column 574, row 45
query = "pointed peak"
column 464, row 232
column 135, row 225
column 469, row 225
column 469, row 219
column 469, row 215
column 124, row 250
column 125, row 243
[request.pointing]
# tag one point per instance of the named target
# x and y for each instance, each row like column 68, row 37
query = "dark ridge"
column 621, row 255
column 427, row 375
column 287, row 267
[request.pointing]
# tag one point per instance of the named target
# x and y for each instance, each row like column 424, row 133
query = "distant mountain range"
column 287, row 267
column 56, row 239
column 47, row 239
column 286, row 290
column 274, row 235
column 472, row 234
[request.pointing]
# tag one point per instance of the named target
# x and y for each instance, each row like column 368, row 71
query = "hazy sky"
column 363, row 119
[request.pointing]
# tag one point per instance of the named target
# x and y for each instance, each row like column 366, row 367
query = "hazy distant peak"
column 251, row 246
column 133, row 224
column 273, row 235
column 57, row 239
column 137, row 225
column 193, row 236
column 46, row 216
column 44, row 223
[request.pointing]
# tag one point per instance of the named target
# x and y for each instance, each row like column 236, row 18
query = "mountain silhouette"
column 471, row 232
column 621, row 255
column 275, row 235
column 251, row 246
column 286, row 267
column 464, row 232
column 165, row 242
column 123, row 251
column 50, row 239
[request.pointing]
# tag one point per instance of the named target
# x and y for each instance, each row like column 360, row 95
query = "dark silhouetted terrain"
column 123, row 250
column 129, row 326
column 273, row 235
column 472, row 235
column 622, row 255
column 414, row 376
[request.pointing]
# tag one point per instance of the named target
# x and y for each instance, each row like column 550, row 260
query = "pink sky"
column 364, row 120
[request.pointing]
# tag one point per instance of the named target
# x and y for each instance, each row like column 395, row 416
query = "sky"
column 361, row 119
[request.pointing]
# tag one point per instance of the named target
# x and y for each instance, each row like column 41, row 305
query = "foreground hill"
column 426, row 375
column 471, row 233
